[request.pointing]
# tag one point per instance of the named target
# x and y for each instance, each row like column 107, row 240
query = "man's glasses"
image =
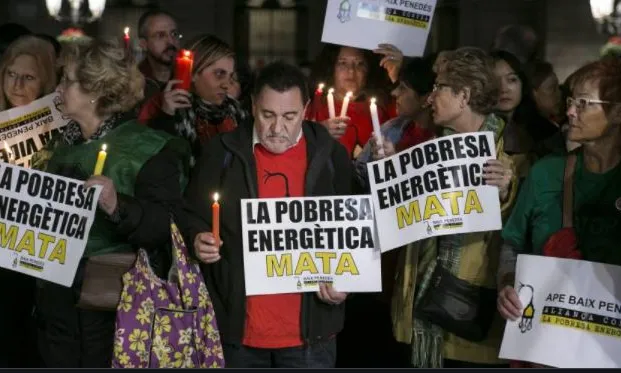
column 164, row 35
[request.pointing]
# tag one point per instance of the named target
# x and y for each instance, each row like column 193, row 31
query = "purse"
column 457, row 306
column 103, row 281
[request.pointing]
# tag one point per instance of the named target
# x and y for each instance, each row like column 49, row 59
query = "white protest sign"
column 435, row 188
column 45, row 221
column 26, row 129
column 571, row 316
column 367, row 23
column 293, row 244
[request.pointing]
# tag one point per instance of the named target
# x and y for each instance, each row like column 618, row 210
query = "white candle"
column 9, row 153
column 345, row 104
column 376, row 128
column 331, row 103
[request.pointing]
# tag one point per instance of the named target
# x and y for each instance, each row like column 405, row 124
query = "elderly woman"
column 141, row 180
column 536, row 224
column 462, row 101
column 27, row 72
column 208, row 109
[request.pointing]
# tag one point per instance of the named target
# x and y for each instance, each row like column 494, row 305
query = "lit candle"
column 9, row 153
column 345, row 103
column 331, row 110
column 376, row 128
column 126, row 38
column 101, row 160
column 215, row 210
column 319, row 90
column 183, row 69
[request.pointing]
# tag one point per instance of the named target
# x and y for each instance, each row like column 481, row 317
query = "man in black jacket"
column 284, row 330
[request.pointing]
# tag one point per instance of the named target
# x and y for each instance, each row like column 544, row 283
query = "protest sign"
column 367, row 23
column 571, row 315
column 26, row 129
column 435, row 188
column 293, row 244
column 45, row 221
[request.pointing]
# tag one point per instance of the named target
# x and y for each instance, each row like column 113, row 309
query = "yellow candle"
column 101, row 160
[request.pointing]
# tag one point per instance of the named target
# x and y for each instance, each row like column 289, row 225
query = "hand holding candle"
column 346, row 104
column 183, row 68
column 376, row 128
column 215, row 225
column 331, row 109
column 101, row 160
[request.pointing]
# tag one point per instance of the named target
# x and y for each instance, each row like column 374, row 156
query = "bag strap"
column 568, row 190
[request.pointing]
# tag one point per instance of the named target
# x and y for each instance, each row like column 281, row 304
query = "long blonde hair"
column 207, row 50
column 45, row 56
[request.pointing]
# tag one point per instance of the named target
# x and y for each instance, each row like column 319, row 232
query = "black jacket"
column 228, row 166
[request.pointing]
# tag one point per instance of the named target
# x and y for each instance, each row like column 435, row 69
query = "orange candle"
column 215, row 226
column 183, row 69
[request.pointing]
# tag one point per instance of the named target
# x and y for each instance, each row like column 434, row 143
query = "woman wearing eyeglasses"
column 535, row 225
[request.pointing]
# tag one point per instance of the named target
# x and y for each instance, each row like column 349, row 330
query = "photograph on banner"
column 293, row 244
column 433, row 189
column 571, row 314
column 45, row 221
column 26, row 129
column 367, row 23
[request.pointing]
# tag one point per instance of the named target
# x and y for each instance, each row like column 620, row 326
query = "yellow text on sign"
column 411, row 214
column 309, row 264
column 35, row 245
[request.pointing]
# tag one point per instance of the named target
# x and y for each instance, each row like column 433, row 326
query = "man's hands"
column 206, row 249
column 330, row 296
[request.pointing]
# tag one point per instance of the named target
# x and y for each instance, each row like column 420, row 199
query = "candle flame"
column 126, row 30
column 331, row 90
column 349, row 94
column 187, row 53
column 104, row 147
column 216, row 197
column 373, row 99
column 320, row 86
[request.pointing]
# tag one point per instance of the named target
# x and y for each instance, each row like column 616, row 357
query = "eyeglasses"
column 581, row 102
column 438, row 86
column 163, row 35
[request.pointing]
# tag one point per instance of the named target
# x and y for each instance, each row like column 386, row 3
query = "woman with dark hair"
column 358, row 71
column 526, row 128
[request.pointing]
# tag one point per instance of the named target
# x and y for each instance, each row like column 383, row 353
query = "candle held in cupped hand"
column 101, row 160
column 183, row 69
column 376, row 127
column 331, row 109
column 346, row 103
column 215, row 225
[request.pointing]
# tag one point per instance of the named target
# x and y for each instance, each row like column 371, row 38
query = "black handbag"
column 457, row 306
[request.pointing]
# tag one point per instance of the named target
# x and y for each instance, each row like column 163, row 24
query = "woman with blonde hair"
column 27, row 72
column 142, row 179
column 209, row 108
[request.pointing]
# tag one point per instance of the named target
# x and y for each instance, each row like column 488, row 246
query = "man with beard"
column 159, row 38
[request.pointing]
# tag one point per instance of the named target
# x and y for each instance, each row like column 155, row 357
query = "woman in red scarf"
column 357, row 71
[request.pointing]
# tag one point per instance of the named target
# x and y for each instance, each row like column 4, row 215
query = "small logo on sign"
column 344, row 11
